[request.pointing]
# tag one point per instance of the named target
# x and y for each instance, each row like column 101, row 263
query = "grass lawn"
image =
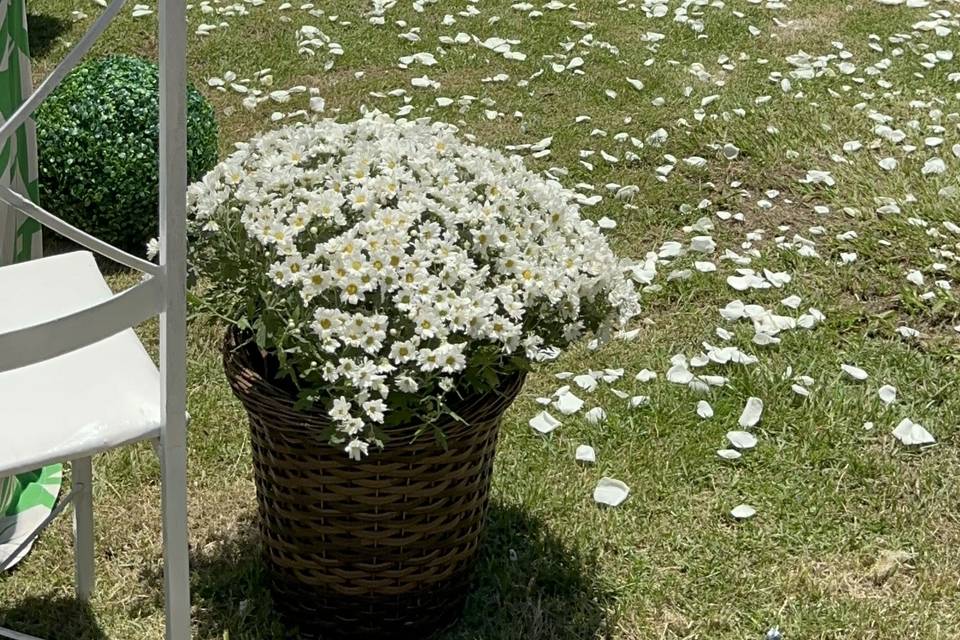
column 855, row 536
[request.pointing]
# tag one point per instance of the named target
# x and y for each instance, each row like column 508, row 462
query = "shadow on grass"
column 527, row 585
column 43, row 31
column 54, row 618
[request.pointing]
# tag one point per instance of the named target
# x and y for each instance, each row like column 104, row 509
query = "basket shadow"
column 43, row 31
column 527, row 585
column 53, row 618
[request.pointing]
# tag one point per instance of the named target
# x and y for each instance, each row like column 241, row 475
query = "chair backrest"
column 163, row 289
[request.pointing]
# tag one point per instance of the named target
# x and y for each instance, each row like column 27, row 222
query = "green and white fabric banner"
column 25, row 500
column 19, row 235
column 30, row 497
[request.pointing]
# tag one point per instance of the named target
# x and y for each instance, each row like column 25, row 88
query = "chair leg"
column 82, row 473
column 176, row 552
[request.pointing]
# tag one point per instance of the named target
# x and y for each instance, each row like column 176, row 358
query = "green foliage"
column 98, row 147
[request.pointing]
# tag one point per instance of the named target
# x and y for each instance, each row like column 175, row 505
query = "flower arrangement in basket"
column 386, row 287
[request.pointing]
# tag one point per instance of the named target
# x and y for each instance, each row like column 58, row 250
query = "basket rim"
column 252, row 387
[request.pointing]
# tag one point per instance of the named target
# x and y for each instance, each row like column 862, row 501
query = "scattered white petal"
column 730, row 151
column 743, row 512
column 751, row 413
column 610, row 492
column 543, row 422
column 915, row 277
column 679, row 374
column 585, row 453
column 595, row 415
column 888, row 164
column 567, row 403
column 911, row 433
column 742, row 439
column 854, row 372
column 887, row 393
column 729, row 454
column 704, row 410
column 587, row 383
column 792, row 301
column 933, row 166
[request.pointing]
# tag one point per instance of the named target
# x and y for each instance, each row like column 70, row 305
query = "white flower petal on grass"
column 854, row 372
column 567, row 403
column 777, row 279
column 587, row 383
column 934, row 166
column 887, row 393
column 911, row 433
column 595, row 415
column 611, row 375
column 639, row 401
column 280, row 96
column 543, row 422
column 800, row 390
column 585, row 453
column 729, row 454
column 791, row 301
column 424, row 81
column 679, row 374
column 702, row 244
column 704, row 410
column 645, row 375
column 909, row 332
column 743, row 512
column 610, row 492
column 742, row 439
column 751, row 413
column 733, row 311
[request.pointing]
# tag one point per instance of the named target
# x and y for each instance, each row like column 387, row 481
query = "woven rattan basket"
column 380, row 548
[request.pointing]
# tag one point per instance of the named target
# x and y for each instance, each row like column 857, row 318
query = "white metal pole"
column 83, row 533
column 173, row 258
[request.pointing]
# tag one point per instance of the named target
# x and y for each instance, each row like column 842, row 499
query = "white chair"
column 74, row 378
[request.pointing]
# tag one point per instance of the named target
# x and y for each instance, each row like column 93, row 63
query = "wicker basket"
column 381, row 548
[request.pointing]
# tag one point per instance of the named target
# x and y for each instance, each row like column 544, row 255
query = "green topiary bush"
column 97, row 138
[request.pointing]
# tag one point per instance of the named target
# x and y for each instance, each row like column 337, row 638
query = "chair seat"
column 89, row 400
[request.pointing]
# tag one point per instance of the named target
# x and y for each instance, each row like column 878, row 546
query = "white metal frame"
column 163, row 292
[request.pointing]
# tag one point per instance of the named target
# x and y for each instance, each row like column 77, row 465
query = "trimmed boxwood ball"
column 97, row 138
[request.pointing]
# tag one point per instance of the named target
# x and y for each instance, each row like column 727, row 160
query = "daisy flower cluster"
column 385, row 265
